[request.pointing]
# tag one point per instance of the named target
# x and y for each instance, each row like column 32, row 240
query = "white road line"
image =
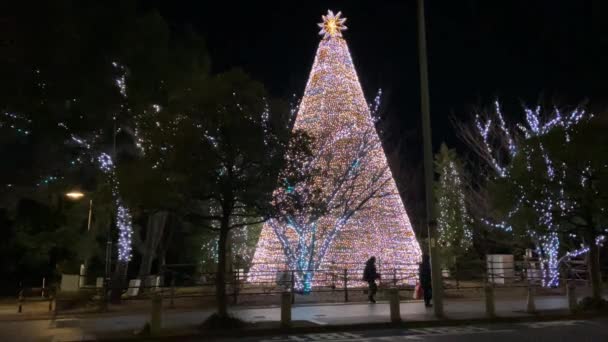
column 334, row 337
column 419, row 334
column 451, row 331
column 539, row 325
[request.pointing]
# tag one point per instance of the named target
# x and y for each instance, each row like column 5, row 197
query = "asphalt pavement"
column 550, row 331
column 90, row 327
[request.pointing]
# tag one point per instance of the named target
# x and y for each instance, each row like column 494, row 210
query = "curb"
column 277, row 330
column 93, row 313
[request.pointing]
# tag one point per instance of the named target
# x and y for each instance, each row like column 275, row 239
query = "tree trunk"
column 220, row 284
column 229, row 251
column 164, row 244
column 154, row 233
column 119, row 281
column 594, row 269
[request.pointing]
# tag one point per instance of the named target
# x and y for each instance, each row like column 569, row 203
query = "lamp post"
column 77, row 195
column 428, row 165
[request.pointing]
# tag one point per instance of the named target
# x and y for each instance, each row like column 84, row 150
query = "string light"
column 48, row 180
column 454, row 223
column 346, row 149
column 17, row 122
column 124, row 221
column 123, row 215
column 239, row 238
column 548, row 244
column 121, row 82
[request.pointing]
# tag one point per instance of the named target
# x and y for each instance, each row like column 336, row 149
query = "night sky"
column 549, row 52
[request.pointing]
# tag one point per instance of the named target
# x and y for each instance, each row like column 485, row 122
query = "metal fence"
column 185, row 284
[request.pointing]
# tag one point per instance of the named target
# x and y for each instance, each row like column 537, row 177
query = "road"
column 91, row 326
column 88, row 327
column 553, row 331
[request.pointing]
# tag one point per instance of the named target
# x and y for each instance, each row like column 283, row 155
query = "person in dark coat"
column 370, row 274
column 424, row 271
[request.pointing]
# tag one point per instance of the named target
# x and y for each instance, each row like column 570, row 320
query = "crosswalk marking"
column 416, row 334
column 72, row 337
column 447, row 331
column 345, row 336
column 538, row 325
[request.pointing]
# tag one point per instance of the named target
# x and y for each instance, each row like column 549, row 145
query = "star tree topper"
column 332, row 25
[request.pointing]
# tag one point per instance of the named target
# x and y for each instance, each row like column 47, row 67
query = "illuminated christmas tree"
column 357, row 211
column 453, row 221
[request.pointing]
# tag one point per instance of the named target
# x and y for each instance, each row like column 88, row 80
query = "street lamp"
column 77, row 195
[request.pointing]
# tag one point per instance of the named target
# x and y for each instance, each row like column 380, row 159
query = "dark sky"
column 530, row 51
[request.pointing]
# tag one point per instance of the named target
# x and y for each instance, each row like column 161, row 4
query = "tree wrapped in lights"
column 240, row 247
column 239, row 137
column 340, row 205
column 573, row 195
column 123, row 214
column 453, row 221
column 532, row 176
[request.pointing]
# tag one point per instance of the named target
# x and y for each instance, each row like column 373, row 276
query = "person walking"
column 424, row 272
column 370, row 274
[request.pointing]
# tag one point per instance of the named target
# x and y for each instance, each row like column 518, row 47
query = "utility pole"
column 90, row 215
column 108, row 258
column 428, row 165
column 76, row 195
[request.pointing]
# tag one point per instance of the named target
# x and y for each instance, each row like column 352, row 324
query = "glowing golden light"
column 332, row 25
column 75, row 195
column 335, row 113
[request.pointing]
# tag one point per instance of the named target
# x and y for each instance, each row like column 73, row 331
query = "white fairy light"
column 453, row 221
column 124, row 221
column 535, row 126
column 121, row 80
column 334, row 112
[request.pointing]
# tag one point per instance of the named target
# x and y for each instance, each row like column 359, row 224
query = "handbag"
column 418, row 291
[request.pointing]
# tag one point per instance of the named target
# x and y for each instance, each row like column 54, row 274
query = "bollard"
column 155, row 315
column 531, row 306
column 395, row 305
column 20, row 301
column 103, row 297
column 490, row 309
column 236, row 287
column 51, row 298
column 571, row 293
column 394, row 277
column 285, row 309
column 292, row 287
column 171, row 299
column 345, row 285
column 456, row 276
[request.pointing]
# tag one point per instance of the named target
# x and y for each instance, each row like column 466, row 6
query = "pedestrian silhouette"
column 370, row 274
column 424, row 271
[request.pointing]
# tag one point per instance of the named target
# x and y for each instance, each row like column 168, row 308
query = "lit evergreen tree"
column 454, row 223
column 345, row 207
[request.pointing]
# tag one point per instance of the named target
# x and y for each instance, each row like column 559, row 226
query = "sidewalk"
column 90, row 326
column 37, row 308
